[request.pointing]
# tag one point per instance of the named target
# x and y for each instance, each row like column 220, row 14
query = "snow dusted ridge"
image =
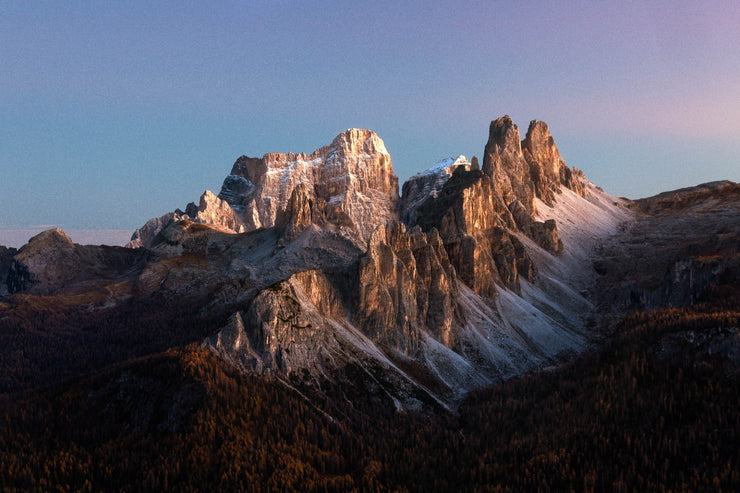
column 427, row 184
column 351, row 179
column 445, row 166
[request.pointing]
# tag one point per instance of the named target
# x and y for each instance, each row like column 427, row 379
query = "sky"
column 115, row 112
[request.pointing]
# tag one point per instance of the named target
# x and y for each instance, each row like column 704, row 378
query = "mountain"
column 434, row 294
column 351, row 181
column 307, row 265
column 508, row 325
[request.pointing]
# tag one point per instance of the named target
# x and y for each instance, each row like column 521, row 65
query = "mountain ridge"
column 307, row 264
column 517, row 328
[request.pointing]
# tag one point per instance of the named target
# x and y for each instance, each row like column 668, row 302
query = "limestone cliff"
column 547, row 169
column 406, row 287
column 351, row 182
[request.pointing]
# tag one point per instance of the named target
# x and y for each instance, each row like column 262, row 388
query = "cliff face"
column 350, row 181
column 533, row 167
column 286, row 329
column 480, row 213
column 504, row 163
column 406, row 287
column 547, row 170
column 429, row 183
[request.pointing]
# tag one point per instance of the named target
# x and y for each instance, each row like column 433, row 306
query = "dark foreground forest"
column 657, row 409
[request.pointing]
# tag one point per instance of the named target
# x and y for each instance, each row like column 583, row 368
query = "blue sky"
column 115, row 112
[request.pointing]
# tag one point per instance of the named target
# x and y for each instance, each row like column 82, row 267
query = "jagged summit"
column 529, row 168
column 546, row 167
column 351, row 183
column 351, row 180
column 421, row 277
column 428, row 183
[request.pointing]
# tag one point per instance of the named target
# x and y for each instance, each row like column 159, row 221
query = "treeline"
column 652, row 411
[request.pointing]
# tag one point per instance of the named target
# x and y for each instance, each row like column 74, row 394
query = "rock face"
column 478, row 213
column 144, row 236
column 530, row 168
column 352, row 176
column 504, row 163
column 351, row 181
column 406, row 288
column 429, row 183
column 474, row 224
column 286, row 328
column 547, row 170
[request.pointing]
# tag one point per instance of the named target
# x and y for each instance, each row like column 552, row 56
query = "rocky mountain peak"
column 504, row 163
column 358, row 141
column 527, row 169
column 503, row 134
column 51, row 238
column 351, row 182
column 547, row 169
column 428, row 184
column 539, row 143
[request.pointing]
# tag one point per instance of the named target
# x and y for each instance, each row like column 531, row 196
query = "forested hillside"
column 657, row 409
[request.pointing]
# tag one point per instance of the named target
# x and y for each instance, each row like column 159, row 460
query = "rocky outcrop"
column 429, row 183
column 286, row 328
column 210, row 210
column 474, row 223
column 406, row 287
column 504, row 163
column 47, row 262
column 215, row 211
column 298, row 214
column 144, row 236
column 533, row 167
column 547, row 169
column 545, row 234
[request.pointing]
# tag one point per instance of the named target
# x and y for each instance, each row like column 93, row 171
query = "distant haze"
column 16, row 238
column 113, row 113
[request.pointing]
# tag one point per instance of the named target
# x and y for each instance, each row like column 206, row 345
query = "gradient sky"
column 115, row 112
